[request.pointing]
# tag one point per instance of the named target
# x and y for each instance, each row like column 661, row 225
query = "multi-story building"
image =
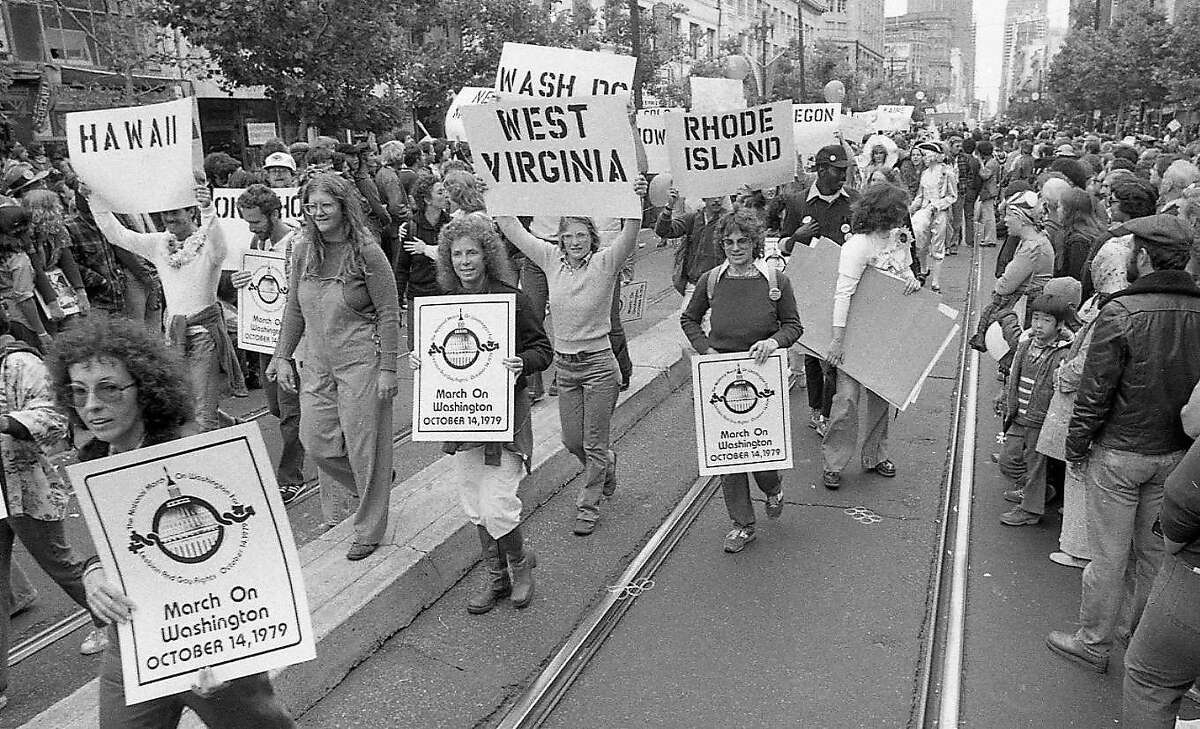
column 919, row 55
column 962, row 37
column 1100, row 13
column 1034, row 31
column 857, row 26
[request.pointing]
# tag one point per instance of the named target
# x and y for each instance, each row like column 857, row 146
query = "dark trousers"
column 616, row 335
column 46, row 542
column 285, row 406
column 821, row 384
column 244, row 703
column 736, row 487
column 535, row 286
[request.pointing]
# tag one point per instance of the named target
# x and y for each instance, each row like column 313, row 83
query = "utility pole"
column 764, row 57
column 635, row 40
column 800, row 35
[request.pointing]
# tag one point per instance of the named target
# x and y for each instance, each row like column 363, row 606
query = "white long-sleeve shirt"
column 188, row 288
column 887, row 252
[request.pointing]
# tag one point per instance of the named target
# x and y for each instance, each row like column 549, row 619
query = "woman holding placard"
column 120, row 382
column 749, row 314
column 879, row 239
column 471, row 260
column 582, row 277
column 342, row 299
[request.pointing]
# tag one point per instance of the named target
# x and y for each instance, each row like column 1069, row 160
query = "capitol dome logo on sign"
column 268, row 286
column 461, row 346
column 176, row 535
column 742, row 396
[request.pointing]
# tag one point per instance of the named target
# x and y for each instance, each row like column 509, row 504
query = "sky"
column 989, row 37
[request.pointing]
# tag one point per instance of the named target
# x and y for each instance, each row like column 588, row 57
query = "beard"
column 1132, row 273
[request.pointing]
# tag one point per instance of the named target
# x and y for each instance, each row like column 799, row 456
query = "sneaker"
column 814, row 420
column 95, row 642
column 1015, row 496
column 358, row 551
column 1192, row 695
column 1068, row 560
column 775, row 504
column 584, row 527
column 737, row 539
column 1017, row 516
column 1070, row 647
column 823, row 426
column 832, row 480
column 624, row 384
column 885, row 468
column 289, row 491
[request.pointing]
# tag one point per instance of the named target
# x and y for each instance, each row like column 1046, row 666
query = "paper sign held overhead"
column 135, row 159
column 719, row 153
column 235, row 228
column 814, row 126
column 555, row 73
column 555, row 157
column 652, row 134
column 469, row 96
column 717, row 94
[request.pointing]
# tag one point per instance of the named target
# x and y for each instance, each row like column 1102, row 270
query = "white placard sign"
column 64, row 293
column 719, row 153
column 633, row 301
column 469, row 96
column 235, row 229
column 652, row 133
column 195, row 533
column 555, row 73
column 261, row 302
column 259, row 133
column 135, row 159
column 462, row 391
column 814, row 126
column 556, row 156
column 717, row 94
column 743, row 413
column 895, row 117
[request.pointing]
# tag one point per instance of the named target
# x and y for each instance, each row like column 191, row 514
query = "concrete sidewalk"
column 356, row 606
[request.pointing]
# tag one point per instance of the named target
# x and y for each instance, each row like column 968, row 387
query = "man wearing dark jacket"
column 962, row 215
column 1125, row 432
column 699, row 250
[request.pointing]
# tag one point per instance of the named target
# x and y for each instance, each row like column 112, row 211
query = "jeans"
column 1124, row 495
column 842, row 434
column 821, row 383
column 142, row 303
column 1024, row 466
column 47, row 544
column 616, row 335
column 1164, row 656
column 204, row 372
column 244, row 703
column 21, row 592
column 588, row 385
column 985, row 218
column 736, row 487
column 285, row 406
column 535, row 286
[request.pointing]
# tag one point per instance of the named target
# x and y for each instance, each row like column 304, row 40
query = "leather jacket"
column 1140, row 369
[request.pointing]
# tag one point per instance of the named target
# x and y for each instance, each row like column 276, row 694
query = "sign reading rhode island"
column 194, row 532
column 462, row 391
column 743, row 416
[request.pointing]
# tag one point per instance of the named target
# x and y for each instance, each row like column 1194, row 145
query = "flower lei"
column 181, row 254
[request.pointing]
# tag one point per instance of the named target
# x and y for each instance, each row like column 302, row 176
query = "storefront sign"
column 462, row 391
column 135, row 159
column 555, row 157
column 195, row 533
column 719, row 153
column 261, row 302
column 235, row 229
column 743, row 415
column 555, row 73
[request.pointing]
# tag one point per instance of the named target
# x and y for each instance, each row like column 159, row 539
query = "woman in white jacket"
column 930, row 211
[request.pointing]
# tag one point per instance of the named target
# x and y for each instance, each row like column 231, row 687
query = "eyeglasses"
column 105, row 392
column 580, row 235
column 325, row 207
column 738, row 242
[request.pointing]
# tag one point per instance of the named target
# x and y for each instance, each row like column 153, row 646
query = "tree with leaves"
column 320, row 60
column 1181, row 67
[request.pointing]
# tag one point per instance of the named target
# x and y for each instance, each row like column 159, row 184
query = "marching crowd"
column 123, row 327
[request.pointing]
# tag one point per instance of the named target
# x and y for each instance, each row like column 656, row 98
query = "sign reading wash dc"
column 743, row 416
column 195, row 533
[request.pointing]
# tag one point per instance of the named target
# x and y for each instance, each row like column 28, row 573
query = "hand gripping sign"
column 743, row 414
column 195, row 533
column 261, row 302
column 556, row 73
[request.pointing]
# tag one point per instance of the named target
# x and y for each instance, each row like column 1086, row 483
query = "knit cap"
column 1065, row 292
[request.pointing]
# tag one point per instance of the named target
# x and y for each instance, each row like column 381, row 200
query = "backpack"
column 763, row 267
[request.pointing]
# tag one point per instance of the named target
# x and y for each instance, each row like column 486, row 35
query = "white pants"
column 489, row 493
column 932, row 228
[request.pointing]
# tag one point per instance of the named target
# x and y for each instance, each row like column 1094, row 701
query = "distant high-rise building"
column 918, row 49
column 856, row 26
column 1034, row 31
column 1100, row 13
column 962, row 35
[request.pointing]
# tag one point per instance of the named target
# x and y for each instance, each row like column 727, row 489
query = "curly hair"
column 881, row 207
column 587, row 223
column 481, row 230
column 46, row 222
column 354, row 220
column 422, row 189
column 746, row 222
column 262, row 197
column 163, row 394
column 391, row 153
column 463, row 190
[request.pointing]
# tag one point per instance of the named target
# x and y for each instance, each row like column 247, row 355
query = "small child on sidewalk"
column 1026, row 399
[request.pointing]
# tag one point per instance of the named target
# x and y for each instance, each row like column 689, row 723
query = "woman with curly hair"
column 17, row 280
column 471, row 260
column 879, row 240
column 416, row 262
column 582, row 276
column 50, row 249
column 464, row 192
column 747, row 315
column 130, row 391
column 342, row 299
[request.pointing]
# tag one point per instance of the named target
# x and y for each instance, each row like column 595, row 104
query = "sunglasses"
column 106, row 392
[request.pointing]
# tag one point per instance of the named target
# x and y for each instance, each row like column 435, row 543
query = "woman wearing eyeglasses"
column 582, row 277
column 129, row 391
column 747, row 315
column 342, row 299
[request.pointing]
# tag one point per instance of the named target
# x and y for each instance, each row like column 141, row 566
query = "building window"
column 839, row 6
column 68, row 45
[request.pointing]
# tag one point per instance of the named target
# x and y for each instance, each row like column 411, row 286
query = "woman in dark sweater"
column 747, row 316
column 471, row 260
column 416, row 259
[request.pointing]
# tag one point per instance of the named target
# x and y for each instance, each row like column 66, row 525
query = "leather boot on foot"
column 496, row 585
column 521, row 562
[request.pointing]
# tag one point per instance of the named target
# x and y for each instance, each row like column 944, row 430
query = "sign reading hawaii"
column 195, row 533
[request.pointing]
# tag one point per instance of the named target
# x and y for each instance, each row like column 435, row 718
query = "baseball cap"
column 1065, row 150
column 280, row 159
column 832, row 155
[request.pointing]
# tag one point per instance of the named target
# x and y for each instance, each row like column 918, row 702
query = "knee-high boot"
column 495, row 585
column 521, row 562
